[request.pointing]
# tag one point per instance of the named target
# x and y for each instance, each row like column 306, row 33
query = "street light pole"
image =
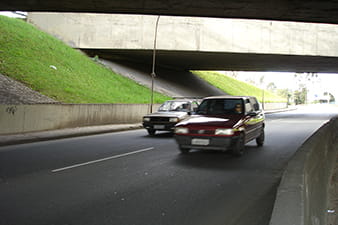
column 262, row 85
column 153, row 74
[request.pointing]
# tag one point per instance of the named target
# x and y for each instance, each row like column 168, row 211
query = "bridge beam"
column 199, row 43
column 283, row 10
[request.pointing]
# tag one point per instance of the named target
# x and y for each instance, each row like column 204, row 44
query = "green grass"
column 236, row 87
column 28, row 55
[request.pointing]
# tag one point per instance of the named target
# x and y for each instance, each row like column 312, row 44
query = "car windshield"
column 175, row 106
column 220, row 107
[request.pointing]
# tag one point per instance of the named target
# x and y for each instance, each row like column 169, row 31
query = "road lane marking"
column 101, row 160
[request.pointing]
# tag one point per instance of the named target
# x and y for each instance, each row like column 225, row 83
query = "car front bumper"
column 159, row 126
column 205, row 142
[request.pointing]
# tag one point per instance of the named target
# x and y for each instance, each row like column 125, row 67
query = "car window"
column 255, row 104
column 248, row 107
column 220, row 106
column 194, row 106
column 175, row 106
column 185, row 107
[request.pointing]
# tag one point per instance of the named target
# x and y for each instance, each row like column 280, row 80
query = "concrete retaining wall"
column 38, row 117
column 302, row 197
column 272, row 106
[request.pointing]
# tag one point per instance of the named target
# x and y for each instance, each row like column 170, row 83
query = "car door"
column 256, row 118
column 249, row 121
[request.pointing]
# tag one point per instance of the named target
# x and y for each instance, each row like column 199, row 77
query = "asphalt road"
column 129, row 178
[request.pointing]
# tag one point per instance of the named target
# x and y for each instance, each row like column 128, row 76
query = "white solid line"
column 101, row 160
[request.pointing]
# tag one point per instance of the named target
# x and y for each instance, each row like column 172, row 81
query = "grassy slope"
column 235, row 87
column 27, row 54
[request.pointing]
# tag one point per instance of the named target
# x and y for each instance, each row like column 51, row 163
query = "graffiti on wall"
column 11, row 110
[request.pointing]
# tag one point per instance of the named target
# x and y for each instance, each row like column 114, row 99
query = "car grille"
column 201, row 131
column 159, row 119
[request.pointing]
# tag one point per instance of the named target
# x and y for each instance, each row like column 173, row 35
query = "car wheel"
column 151, row 132
column 260, row 139
column 238, row 147
column 184, row 150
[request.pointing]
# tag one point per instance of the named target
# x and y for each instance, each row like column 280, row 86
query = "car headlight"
column 224, row 131
column 173, row 120
column 146, row 119
column 181, row 130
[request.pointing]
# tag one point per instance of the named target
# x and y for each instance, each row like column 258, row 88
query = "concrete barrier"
column 16, row 119
column 39, row 117
column 274, row 105
column 302, row 197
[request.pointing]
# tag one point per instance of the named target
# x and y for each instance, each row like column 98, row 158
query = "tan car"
column 168, row 115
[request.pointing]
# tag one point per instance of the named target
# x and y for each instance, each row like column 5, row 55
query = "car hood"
column 167, row 114
column 212, row 121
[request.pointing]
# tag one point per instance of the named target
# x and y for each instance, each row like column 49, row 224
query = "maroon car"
column 222, row 123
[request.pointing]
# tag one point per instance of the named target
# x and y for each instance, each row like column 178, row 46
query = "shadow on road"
column 159, row 135
column 218, row 160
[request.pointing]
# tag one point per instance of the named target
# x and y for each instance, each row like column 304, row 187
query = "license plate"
column 159, row 126
column 199, row 141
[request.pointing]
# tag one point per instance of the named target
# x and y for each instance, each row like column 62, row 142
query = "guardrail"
column 302, row 197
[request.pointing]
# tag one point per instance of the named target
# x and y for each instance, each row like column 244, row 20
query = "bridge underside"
column 283, row 10
column 222, row 61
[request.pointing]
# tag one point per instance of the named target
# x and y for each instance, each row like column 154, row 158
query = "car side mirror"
column 252, row 114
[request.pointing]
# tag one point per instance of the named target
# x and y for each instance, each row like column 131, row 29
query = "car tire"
column 238, row 147
column 151, row 132
column 184, row 150
column 260, row 139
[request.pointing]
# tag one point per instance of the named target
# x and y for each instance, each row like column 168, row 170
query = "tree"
column 305, row 81
column 286, row 93
column 330, row 97
column 271, row 86
column 300, row 96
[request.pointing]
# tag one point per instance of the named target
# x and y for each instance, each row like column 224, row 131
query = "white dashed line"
column 101, row 160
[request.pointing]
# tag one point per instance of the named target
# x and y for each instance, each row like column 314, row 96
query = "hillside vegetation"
column 235, row 87
column 52, row 68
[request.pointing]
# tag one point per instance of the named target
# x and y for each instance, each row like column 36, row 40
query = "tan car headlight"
column 146, row 119
column 173, row 120
column 224, row 132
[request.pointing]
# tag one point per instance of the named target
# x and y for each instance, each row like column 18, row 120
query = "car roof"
column 181, row 100
column 228, row 97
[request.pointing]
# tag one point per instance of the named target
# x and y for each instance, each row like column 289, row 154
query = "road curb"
column 280, row 110
column 64, row 133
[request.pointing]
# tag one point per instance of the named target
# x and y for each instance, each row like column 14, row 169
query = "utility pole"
column 153, row 74
column 261, row 80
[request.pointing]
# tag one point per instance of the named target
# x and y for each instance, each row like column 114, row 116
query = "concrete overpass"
column 199, row 43
column 284, row 10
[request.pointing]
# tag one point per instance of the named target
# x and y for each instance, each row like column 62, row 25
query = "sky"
column 325, row 82
column 280, row 79
column 11, row 14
